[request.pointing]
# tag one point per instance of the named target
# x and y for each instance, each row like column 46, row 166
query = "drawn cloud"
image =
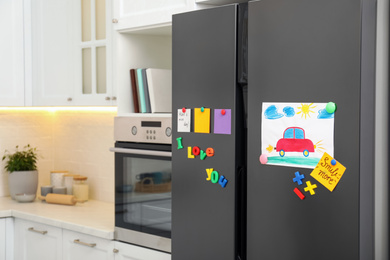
column 272, row 113
column 322, row 114
column 288, row 111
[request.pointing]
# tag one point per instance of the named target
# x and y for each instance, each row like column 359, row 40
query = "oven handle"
column 141, row 152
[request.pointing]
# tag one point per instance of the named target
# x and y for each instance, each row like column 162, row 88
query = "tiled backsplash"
column 74, row 140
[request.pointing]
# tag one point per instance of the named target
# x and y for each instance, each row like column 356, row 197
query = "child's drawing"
column 296, row 134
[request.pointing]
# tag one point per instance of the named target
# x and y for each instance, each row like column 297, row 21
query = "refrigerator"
column 274, row 114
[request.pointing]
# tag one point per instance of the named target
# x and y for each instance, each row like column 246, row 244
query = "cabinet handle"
column 114, row 20
column 37, row 231
column 69, row 99
column 115, row 251
column 114, row 98
column 77, row 241
column 108, row 98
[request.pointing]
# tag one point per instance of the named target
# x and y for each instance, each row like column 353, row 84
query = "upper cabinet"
column 93, row 53
column 140, row 14
column 52, row 59
column 11, row 53
column 71, row 53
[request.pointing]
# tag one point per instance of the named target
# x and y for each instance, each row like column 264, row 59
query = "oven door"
column 143, row 194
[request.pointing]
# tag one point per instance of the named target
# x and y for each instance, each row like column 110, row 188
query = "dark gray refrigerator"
column 207, row 210
column 274, row 131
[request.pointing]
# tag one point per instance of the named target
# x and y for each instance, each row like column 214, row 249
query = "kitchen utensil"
column 60, row 199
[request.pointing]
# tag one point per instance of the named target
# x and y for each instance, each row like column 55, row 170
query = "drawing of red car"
column 294, row 141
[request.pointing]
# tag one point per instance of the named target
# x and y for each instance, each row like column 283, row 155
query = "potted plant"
column 22, row 168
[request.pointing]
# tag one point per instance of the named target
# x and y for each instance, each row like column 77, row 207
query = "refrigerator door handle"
column 141, row 152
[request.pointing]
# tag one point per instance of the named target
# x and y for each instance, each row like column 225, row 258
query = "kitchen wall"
column 76, row 140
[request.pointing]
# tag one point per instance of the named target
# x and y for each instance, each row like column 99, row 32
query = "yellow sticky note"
column 327, row 174
column 202, row 120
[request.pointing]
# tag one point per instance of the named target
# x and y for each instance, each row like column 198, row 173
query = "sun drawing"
column 305, row 110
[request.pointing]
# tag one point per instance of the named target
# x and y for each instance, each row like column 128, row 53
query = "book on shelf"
column 134, row 90
column 141, row 91
column 146, row 91
column 152, row 90
column 160, row 90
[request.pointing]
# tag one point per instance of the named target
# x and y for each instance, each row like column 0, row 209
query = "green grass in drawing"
column 309, row 161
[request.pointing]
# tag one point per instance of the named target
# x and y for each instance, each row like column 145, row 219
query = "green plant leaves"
column 25, row 160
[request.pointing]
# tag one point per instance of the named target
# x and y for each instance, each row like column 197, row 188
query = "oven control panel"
column 144, row 128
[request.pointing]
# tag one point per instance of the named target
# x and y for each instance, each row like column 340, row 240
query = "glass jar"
column 80, row 188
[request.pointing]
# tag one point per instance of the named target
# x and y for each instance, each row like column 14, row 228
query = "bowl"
column 22, row 197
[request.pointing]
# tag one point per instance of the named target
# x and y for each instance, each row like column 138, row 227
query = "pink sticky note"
column 222, row 121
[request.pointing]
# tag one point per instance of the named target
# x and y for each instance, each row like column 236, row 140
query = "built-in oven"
column 143, row 180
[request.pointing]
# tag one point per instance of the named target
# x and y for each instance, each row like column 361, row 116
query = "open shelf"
column 144, row 48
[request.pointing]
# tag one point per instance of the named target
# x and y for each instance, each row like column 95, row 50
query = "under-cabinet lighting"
column 55, row 109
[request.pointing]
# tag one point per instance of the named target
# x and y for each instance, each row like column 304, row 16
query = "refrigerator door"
column 308, row 51
column 204, row 219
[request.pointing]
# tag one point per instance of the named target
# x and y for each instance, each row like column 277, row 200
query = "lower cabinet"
column 125, row 251
column 9, row 235
column 2, row 239
column 6, row 238
column 37, row 241
column 85, row 247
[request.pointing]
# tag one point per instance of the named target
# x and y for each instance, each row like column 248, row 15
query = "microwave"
column 143, row 168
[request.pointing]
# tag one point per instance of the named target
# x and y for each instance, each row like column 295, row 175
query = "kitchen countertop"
column 93, row 217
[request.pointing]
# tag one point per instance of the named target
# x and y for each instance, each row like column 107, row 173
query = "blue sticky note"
column 222, row 121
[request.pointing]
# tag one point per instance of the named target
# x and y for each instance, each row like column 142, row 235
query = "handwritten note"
column 202, row 120
column 327, row 174
column 184, row 120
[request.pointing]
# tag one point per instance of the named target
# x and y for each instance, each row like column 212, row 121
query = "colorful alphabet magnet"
column 328, row 174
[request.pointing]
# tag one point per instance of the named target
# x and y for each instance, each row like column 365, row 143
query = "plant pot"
column 23, row 182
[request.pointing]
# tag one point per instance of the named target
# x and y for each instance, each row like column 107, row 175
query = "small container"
column 68, row 183
column 46, row 190
column 59, row 190
column 57, row 178
column 80, row 188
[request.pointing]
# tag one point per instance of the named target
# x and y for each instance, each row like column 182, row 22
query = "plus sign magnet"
column 310, row 187
column 298, row 178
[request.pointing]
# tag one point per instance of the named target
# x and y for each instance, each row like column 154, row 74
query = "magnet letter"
column 214, row 177
column 223, row 181
column 210, row 152
column 209, row 171
column 202, row 155
column 190, row 155
column 195, row 150
column 179, row 145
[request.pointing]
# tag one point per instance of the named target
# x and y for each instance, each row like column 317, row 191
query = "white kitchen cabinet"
column 9, row 235
column 59, row 74
column 125, row 251
column 11, row 53
column 93, row 53
column 138, row 15
column 2, row 239
column 84, row 247
column 37, row 241
column 52, row 60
